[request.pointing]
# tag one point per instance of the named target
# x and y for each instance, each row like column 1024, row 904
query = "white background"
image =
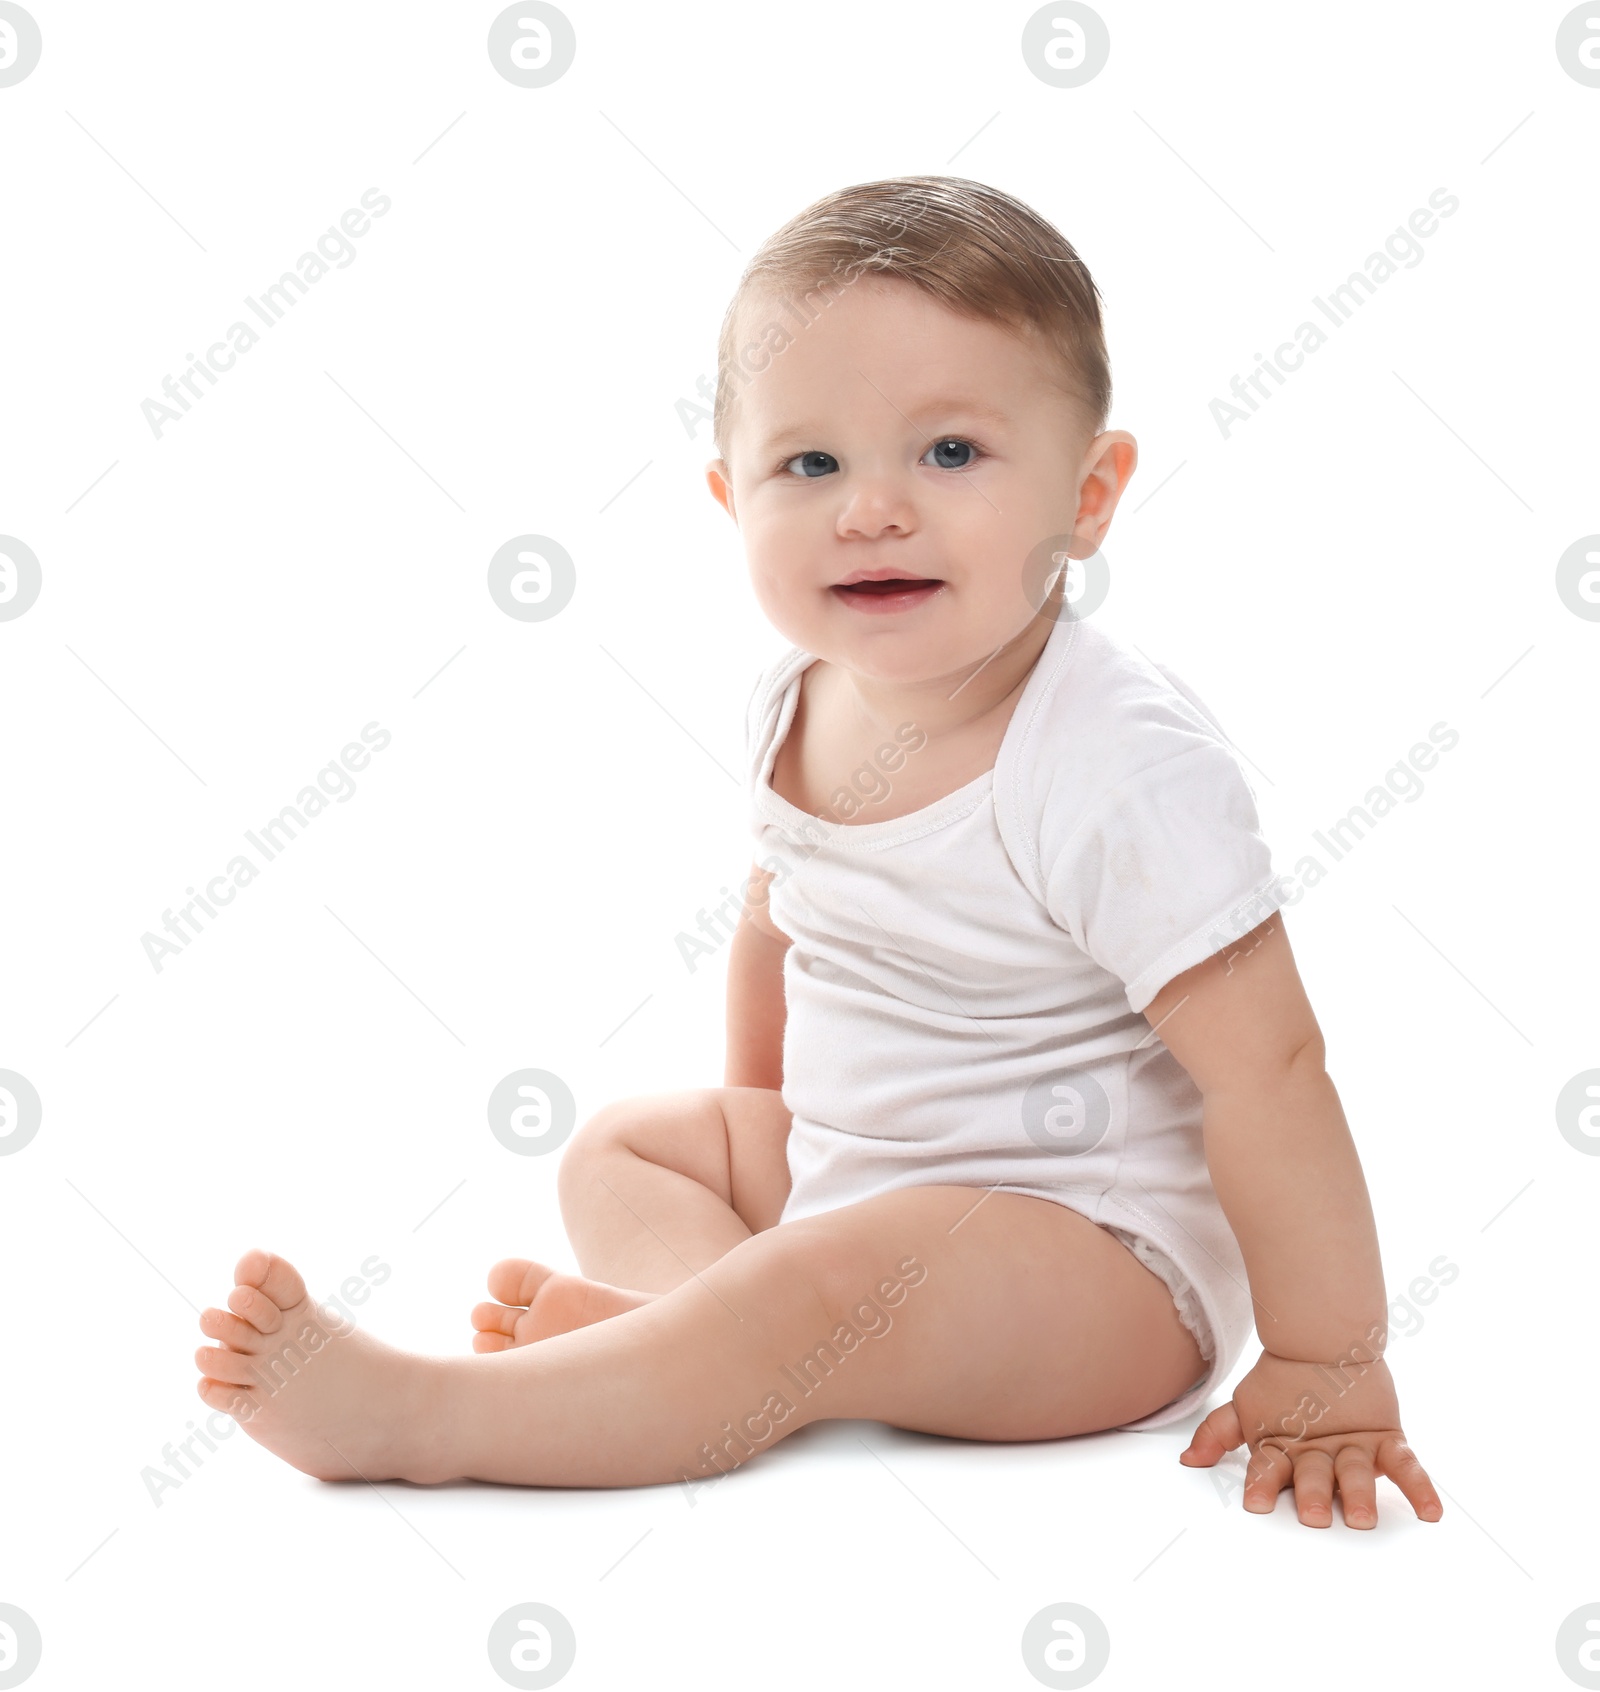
column 223, row 608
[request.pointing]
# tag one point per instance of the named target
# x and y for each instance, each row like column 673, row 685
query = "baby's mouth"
column 892, row 597
column 895, row 584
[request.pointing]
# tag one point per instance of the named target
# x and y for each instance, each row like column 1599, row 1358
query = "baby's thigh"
column 1016, row 1317
column 732, row 1140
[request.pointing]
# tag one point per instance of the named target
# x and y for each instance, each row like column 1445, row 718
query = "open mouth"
column 895, row 584
column 895, row 593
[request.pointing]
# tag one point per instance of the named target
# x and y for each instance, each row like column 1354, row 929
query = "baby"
column 1022, row 1083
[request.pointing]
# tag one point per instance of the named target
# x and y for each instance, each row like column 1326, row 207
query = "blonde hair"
column 971, row 247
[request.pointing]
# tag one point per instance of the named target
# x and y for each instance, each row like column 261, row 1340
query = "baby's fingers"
column 1271, row 1469
column 1399, row 1462
column 1358, row 1485
column 1313, row 1488
column 1219, row 1432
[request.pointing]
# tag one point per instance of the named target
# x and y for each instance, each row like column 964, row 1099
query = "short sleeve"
column 1164, row 870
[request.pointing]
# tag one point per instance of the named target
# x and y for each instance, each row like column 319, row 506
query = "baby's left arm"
column 1319, row 1408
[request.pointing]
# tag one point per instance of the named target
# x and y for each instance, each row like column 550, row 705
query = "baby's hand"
column 1314, row 1425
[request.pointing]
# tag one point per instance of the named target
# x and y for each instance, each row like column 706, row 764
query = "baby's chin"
column 947, row 653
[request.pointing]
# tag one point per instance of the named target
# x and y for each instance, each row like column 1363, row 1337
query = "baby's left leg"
column 992, row 1316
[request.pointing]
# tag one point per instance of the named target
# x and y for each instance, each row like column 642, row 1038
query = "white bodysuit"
column 964, row 985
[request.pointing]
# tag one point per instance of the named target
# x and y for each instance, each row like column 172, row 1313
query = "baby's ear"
column 720, row 480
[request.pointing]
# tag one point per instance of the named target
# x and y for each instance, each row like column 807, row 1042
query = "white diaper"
column 1183, row 1295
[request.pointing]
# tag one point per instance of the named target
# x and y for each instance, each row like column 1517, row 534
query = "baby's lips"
column 857, row 577
column 890, row 584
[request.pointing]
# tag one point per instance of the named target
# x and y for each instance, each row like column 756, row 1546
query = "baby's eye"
column 813, row 469
column 959, row 445
column 815, row 464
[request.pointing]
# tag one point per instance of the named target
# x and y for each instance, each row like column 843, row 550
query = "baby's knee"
column 597, row 1140
column 628, row 1126
column 823, row 1272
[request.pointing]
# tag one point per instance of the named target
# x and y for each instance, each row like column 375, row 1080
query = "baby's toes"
column 231, row 1331
column 495, row 1325
column 235, row 1368
column 258, row 1311
column 514, row 1280
column 276, row 1277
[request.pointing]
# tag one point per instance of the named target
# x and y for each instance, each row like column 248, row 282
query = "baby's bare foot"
column 314, row 1389
column 537, row 1302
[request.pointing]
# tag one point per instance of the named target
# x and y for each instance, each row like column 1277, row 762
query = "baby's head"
column 912, row 378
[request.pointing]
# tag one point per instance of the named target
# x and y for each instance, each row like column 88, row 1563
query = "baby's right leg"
column 657, row 1187
column 653, row 1189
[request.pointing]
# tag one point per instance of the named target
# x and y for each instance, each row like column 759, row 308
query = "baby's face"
column 893, row 434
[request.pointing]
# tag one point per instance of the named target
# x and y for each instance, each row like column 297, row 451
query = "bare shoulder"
column 816, row 755
column 789, row 767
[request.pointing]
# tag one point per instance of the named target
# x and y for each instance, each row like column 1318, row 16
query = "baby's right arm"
column 755, row 1016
